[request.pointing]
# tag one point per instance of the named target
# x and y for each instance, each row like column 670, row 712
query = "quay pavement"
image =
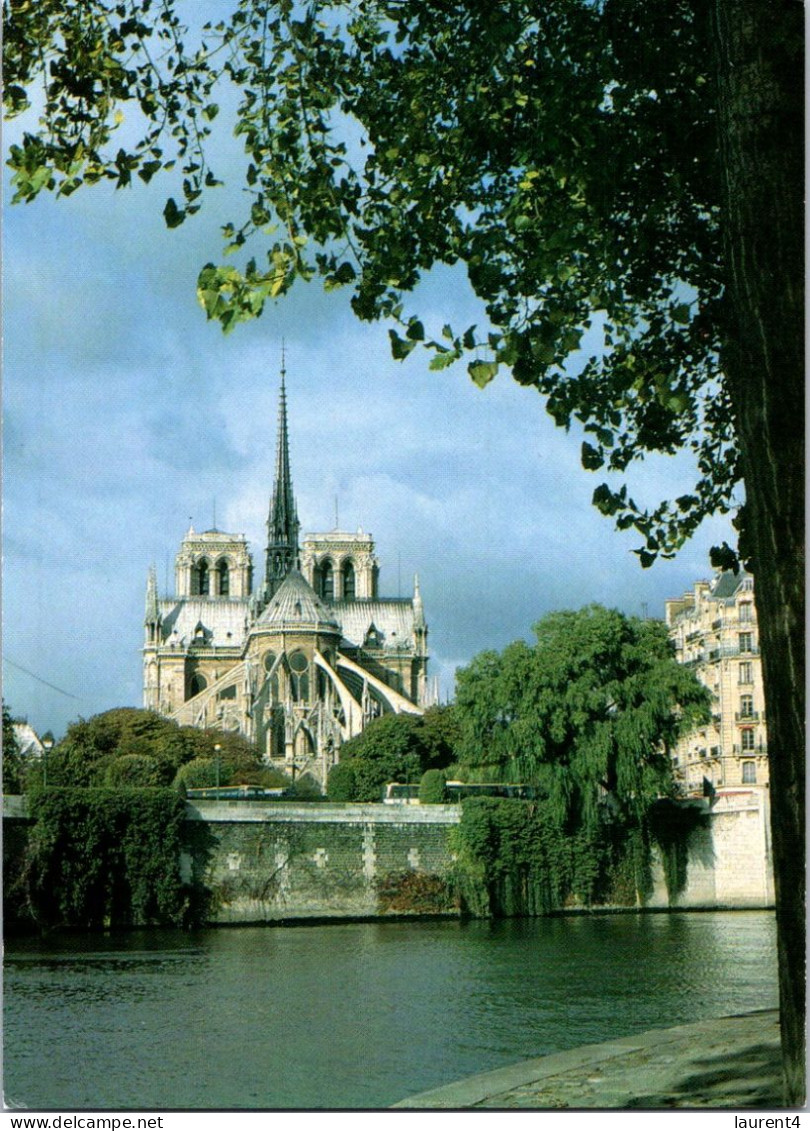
column 729, row 1062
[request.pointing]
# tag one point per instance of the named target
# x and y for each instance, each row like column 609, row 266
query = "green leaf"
column 400, row 348
column 442, row 360
column 592, row 458
column 173, row 215
column 482, row 372
column 148, row 170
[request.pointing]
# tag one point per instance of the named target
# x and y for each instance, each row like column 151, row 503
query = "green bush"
column 135, row 771
column 85, row 755
column 433, row 788
column 304, row 788
column 199, row 773
column 106, row 858
column 341, row 785
column 514, row 858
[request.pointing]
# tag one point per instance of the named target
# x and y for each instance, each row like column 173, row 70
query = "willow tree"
column 608, row 169
column 589, row 713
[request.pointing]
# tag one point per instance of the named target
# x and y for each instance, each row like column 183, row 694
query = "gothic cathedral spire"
column 282, row 521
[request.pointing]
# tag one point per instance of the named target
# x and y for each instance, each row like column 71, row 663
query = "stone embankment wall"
column 276, row 862
column 729, row 859
column 280, row 862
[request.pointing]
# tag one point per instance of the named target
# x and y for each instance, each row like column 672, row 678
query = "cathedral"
column 302, row 664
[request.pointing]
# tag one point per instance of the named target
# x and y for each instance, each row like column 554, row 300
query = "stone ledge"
column 280, row 812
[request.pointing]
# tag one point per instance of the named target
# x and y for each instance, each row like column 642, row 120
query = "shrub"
column 433, row 788
column 135, row 770
column 199, row 773
column 341, row 785
column 415, row 893
column 106, row 858
column 304, row 788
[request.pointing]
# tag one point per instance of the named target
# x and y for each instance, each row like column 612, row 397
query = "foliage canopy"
column 393, row 748
column 106, row 857
column 127, row 746
column 382, row 139
column 13, row 774
column 589, row 713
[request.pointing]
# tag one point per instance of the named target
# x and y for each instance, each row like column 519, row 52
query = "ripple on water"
column 354, row 1015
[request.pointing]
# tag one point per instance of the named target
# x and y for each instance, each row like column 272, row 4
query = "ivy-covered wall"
column 93, row 858
column 251, row 862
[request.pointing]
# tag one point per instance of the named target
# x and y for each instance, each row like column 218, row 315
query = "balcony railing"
column 726, row 650
column 746, row 716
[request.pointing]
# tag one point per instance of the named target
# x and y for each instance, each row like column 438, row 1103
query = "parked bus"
column 399, row 793
column 234, row 793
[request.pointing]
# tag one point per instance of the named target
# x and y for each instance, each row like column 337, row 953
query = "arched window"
column 196, row 685
column 224, row 579
column 299, row 669
column 327, row 581
column 203, row 579
column 349, row 585
column 269, row 660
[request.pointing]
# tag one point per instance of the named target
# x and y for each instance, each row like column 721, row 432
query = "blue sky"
column 126, row 414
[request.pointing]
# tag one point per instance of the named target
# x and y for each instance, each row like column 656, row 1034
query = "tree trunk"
column 759, row 58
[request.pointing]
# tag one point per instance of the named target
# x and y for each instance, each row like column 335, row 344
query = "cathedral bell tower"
column 282, row 521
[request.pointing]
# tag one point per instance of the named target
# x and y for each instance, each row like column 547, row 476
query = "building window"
column 747, row 739
column 746, row 706
column 224, row 579
column 349, row 587
column 299, row 676
column 327, row 586
column 196, row 685
column 746, row 642
column 745, row 672
column 746, row 613
column 749, row 773
column 203, row 579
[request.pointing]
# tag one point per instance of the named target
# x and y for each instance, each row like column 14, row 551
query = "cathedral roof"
column 378, row 622
column 223, row 621
column 295, row 605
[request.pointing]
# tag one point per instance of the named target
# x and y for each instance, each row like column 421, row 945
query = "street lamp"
column 217, row 749
column 47, row 747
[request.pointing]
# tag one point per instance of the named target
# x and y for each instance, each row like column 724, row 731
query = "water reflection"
column 354, row 1015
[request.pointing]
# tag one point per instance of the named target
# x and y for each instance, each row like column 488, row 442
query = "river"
column 353, row 1015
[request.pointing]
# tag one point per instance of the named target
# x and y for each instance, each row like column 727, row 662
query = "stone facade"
column 291, row 862
column 302, row 665
column 714, row 629
column 729, row 858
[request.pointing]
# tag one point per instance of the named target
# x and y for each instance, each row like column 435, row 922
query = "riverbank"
column 279, row 862
column 731, row 1062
